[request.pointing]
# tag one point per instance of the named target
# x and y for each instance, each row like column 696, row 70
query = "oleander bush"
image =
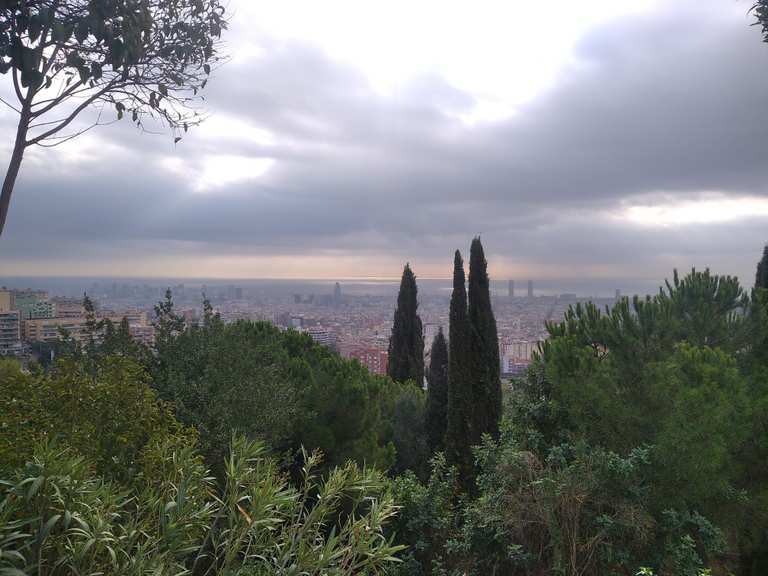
column 59, row 516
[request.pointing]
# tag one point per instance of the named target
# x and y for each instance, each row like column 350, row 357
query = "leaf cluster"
column 58, row 517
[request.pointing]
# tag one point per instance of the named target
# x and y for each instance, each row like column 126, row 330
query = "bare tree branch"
column 64, row 123
column 53, row 102
column 10, row 106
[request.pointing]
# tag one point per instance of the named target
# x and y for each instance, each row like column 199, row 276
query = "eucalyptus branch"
column 64, row 123
column 148, row 58
column 53, row 102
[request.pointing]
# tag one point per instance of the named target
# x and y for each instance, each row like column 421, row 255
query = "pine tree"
column 436, row 411
column 167, row 323
column 457, row 437
column 91, row 332
column 406, row 345
column 484, row 349
column 168, row 327
column 761, row 278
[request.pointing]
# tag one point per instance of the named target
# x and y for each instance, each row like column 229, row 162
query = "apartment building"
column 10, row 325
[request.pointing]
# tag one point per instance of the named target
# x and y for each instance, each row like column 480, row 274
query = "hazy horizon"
column 583, row 288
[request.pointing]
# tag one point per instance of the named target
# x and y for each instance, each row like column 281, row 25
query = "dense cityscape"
column 356, row 324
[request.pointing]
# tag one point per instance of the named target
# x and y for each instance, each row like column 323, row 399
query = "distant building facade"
column 50, row 329
column 10, row 332
column 143, row 334
column 321, row 335
column 5, row 300
column 32, row 304
column 375, row 359
column 516, row 355
column 68, row 308
column 10, row 325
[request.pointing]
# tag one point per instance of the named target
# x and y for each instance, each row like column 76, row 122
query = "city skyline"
column 72, row 286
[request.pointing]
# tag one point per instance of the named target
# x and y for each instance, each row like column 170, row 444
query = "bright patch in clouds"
column 223, row 127
column 222, row 170
column 218, row 170
column 502, row 53
column 708, row 209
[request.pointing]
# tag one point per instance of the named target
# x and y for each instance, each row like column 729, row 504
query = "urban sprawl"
column 356, row 325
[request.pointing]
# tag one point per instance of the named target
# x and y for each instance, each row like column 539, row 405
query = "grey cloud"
column 670, row 101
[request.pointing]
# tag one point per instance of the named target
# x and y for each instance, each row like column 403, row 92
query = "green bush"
column 278, row 386
column 107, row 415
column 57, row 516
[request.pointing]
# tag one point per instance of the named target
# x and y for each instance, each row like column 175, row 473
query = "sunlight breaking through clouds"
column 222, row 170
column 502, row 53
column 218, row 171
column 708, row 209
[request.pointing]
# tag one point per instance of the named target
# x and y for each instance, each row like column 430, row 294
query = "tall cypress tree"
column 484, row 349
column 761, row 278
column 406, row 345
column 436, row 411
column 457, row 437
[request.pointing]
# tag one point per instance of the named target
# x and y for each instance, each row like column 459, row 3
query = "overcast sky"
column 580, row 139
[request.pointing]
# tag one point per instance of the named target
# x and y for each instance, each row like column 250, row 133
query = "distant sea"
column 74, row 286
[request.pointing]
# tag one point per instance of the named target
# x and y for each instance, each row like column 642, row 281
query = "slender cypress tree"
column 457, row 437
column 484, row 349
column 406, row 345
column 436, row 411
column 761, row 278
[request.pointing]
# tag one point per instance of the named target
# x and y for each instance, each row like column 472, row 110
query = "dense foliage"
column 108, row 415
column 574, row 509
column 58, row 517
column 278, row 386
column 637, row 443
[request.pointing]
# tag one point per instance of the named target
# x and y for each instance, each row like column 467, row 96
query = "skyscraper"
column 530, row 288
column 511, row 289
column 337, row 294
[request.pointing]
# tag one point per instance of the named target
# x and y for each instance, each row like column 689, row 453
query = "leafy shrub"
column 57, row 516
column 107, row 415
column 280, row 387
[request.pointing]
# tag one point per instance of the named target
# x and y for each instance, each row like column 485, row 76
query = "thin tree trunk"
column 14, row 164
